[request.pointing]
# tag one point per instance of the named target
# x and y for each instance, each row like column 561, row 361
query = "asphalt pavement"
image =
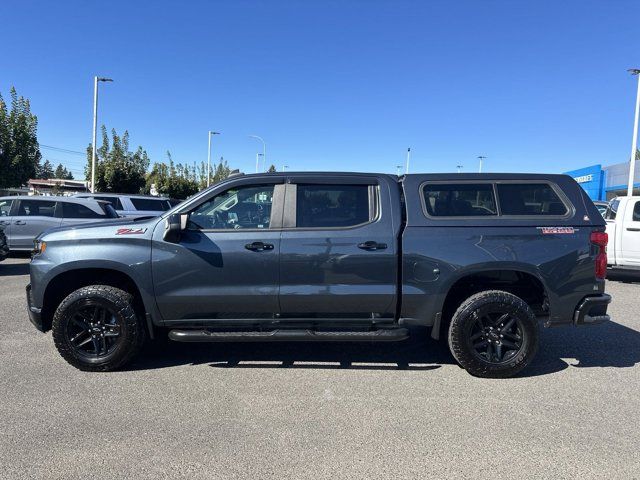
column 321, row 411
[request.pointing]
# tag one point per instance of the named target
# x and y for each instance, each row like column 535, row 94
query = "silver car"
column 23, row 217
column 132, row 205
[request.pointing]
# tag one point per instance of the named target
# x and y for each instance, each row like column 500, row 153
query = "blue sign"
column 591, row 179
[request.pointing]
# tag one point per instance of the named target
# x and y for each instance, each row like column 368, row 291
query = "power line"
column 64, row 150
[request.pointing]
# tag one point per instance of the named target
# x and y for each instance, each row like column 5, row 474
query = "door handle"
column 258, row 246
column 371, row 245
column 20, row 222
column 632, row 229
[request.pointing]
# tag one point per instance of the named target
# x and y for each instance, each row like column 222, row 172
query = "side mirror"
column 173, row 227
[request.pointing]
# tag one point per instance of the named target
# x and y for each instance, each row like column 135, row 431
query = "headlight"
column 39, row 247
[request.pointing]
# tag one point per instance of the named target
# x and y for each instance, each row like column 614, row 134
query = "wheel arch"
column 522, row 281
column 63, row 283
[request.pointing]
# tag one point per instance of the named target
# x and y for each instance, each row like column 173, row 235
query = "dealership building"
column 604, row 183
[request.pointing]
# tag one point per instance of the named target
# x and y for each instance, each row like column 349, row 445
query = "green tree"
column 177, row 180
column 19, row 150
column 45, row 171
column 118, row 170
column 272, row 169
column 63, row 173
column 220, row 171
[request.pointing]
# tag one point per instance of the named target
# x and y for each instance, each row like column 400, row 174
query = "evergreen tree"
column 220, row 171
column 272, row 169
column 177, row 180
column 19, row 149
column 63, row 173
column 118, row 170
column 45, row 172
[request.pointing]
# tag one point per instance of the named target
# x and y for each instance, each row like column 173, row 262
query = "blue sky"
column 334, row 85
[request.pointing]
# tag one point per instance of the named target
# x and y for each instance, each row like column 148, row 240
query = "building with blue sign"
column 605, row 183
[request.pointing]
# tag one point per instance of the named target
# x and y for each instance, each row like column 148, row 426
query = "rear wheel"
column 493, row 334
column 96, row 328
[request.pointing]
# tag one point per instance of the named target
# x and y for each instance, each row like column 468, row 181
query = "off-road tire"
column 463, row 319
column 119, row 302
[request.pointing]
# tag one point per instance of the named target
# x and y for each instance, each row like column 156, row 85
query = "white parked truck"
column 623, row 228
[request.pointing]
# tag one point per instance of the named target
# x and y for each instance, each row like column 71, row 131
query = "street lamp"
column 96, row 79
column 481, row 158
column 284, row 168
column 632, row 163
column 408, row 158
column 209, row 157
column 459, row 167
column 264, row 148
column 398, row 167
column 258, row 155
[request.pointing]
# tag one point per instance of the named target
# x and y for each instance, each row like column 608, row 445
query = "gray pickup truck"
column 481, row 259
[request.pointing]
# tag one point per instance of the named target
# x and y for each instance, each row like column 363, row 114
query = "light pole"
column 284, row 168
column 408, row 158
column 632, row 162
column 459, row 167
column 264, row 148
column 209, row 157
column 96, row 79
column 398, row 168
column 258, row 155
column 481, row 158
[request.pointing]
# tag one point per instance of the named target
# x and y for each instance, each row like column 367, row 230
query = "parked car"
column 133, row 206
column 4, row 246
column 601, row 206
column 480, row 259
column 25, row 217
column 623, row 227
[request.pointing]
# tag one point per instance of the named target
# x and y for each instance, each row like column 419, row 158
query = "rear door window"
column 151, row 204
column 524, row 199
column 459, row 200
column 75, row 210
column 114, row 201
column 37, row 208
column 330, row 206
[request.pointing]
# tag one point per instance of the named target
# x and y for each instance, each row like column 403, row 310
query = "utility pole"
column 209, row 157
column 96, row 79
column 481, row 158
column 408, row 158
column 632, row 161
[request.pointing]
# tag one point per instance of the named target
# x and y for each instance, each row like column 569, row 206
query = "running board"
column 390, row 335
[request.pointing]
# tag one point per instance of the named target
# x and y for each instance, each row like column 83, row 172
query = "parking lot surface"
column 402, row 410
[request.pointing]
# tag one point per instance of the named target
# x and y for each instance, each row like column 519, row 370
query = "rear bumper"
column 592, row 310
column 35, row 314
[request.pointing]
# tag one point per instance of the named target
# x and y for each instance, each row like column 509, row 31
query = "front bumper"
column 592, row 310
column 35, row 314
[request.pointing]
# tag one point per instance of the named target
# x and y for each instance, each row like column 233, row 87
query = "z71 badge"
column 130, row 231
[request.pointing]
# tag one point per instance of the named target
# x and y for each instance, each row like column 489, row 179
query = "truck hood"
column 140, row 227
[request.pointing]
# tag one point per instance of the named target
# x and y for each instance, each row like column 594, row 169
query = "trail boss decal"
column 556, row 230
column 130, row 231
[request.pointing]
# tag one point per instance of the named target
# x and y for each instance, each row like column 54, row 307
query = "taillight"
column 600, row 239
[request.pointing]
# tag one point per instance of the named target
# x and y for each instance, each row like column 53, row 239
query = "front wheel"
column 96, row 328
column 493, row 334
